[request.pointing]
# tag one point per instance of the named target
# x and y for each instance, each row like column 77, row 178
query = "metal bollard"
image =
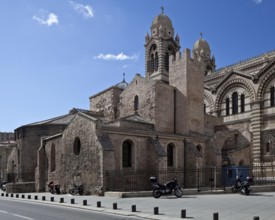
column 256, row 218
column 11, row 195
column 98, row 204
column 134, row 208
column 29, row 197
column 35, row 197
column 84, row 202
column 23, row 196
column 52, row 199
column 215, row 216
column 114, row 205
column 17, row 195
column 61, row 200
column 43, row 198
column 156, row 210
column 7, row 195
column 183, row 213
column 2, row 194
column 72, row 201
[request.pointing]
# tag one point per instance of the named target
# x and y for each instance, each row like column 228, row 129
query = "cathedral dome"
column 161, row 20
column 162, row 26
column 202, row 45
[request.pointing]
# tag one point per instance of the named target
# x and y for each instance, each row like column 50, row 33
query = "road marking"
column 22, row 216
column 3, row 211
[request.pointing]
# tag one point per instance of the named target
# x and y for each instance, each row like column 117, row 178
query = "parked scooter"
column 166, row 189
column 245, row 187
column 54, row 188
column 76, row 190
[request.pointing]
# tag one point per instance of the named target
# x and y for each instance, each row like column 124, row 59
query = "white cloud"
column 258, row 1
column 120, row 56
column 86, row 10
column 47, row 20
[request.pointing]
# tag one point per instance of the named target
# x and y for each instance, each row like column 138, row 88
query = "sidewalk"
column 197, row 207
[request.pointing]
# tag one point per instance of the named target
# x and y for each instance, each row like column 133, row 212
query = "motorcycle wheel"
column 72, row 191
column 178, row 192
column 234, row 189
column 156, row 193
column 80, row 192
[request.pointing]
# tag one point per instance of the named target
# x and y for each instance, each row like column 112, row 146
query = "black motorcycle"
column 242, row 186
column 76, row 190
column 3, row 185
column 237, row 185
column 245, row 186
column 166, row 189
column 54, row 188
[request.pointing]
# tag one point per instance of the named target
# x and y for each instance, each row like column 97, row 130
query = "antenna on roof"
column 201, row 34
column 123, row 77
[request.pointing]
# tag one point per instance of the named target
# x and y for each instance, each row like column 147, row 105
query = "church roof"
column 63, row 119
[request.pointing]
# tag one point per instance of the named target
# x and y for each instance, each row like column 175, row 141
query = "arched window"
column 52, row 158
column 272, row 96
column 267, row 147
column 235, row 103
column 126, row 154
column 170, row 155
column 167, row 62
column 152, row 63
column 77, row 146
column 227, row 102
column 241, row 163
column 136, row 103
column 199, row 148
column 156, row 61
column 242, row 102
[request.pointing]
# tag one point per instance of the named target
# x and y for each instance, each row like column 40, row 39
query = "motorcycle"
column 166, row 189
column 3, row 186
column 54, row 188
column 242, row 186
column 76, row 190
column 245, row 187
column 237, row 185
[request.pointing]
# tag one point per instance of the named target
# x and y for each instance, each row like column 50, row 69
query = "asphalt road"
column 197, row 207
column 23, row 210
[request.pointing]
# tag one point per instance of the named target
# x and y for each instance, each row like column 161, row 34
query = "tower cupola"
column 159, row 47
column 202, row 52
column 162, row 26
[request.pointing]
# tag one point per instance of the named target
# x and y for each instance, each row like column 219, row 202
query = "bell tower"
column 159, row 46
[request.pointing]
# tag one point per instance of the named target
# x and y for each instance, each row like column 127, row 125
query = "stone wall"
column 106, row 102
column 82, row 163
column 145, row 90
column 28, row 142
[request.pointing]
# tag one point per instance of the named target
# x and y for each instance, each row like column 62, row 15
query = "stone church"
column 183, row 113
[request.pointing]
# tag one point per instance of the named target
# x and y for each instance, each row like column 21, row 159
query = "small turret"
column 202, row 52
column 159, row 47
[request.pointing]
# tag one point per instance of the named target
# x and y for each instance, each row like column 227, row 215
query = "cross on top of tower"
column 162, row 9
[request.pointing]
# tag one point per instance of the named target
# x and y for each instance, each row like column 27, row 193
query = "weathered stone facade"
column 7, row 144
column 182, row 114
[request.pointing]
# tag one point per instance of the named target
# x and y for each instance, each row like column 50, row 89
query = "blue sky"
column 55, row 54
